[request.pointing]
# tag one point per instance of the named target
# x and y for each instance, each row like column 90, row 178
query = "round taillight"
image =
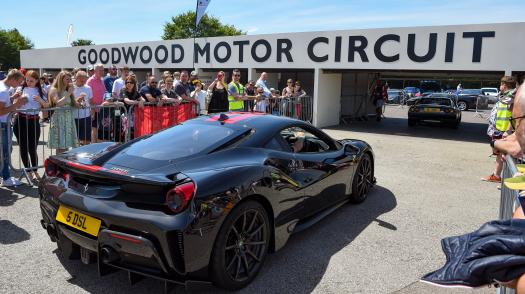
column 178, row 198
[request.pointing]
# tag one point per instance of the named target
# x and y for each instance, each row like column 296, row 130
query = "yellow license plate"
column 431, row 110
column 78, row 220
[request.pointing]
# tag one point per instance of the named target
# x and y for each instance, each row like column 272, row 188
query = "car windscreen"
column 411, row 89
column 471, row 92
column 435, row 101
column 180, row 141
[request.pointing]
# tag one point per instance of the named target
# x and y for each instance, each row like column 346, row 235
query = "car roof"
column 265, row 125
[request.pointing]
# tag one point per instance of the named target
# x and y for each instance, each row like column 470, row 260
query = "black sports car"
column 439, row 107
column 200, row 202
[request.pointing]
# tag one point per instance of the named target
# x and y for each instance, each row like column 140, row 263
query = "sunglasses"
column 236, row 75
column 154, row 83
column 130, row 83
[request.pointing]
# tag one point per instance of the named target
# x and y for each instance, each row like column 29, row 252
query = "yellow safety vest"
column 236, row 105
column 503, row 114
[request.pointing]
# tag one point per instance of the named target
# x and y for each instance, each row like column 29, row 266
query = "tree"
column 182, row 26
column 82, row 42
column 11, row 42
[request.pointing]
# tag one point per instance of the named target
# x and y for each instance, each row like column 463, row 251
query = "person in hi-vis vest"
column 236, row 94
column 500, row 123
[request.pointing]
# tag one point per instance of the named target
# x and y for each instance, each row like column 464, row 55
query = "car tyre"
column 241, row 246
column 412, row 122
column 462, row 105
column 363, row 179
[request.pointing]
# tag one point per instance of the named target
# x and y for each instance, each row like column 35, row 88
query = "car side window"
column 303, row 141
column 276, row 143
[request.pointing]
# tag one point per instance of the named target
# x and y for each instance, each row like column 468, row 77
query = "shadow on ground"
column 467, row 131
column 11, row 233
column 297, row 268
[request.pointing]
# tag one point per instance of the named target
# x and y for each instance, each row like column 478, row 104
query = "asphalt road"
column 428, row 188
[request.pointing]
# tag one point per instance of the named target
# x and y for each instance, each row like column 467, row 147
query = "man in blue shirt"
column 110, row 78
column 150, row 92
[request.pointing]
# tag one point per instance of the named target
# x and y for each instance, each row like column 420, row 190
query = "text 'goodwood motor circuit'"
column 201, row 202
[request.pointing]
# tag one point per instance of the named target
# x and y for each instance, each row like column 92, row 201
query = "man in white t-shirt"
column 120, row 82
column 83, row 115
column 13, row 79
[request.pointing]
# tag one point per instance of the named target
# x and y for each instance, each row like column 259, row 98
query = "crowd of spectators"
column 75, row 104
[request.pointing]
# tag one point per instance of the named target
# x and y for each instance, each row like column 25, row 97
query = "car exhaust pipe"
column 108, row 255
column 51, row 230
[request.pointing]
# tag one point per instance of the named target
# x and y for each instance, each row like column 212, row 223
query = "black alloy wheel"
column 363, row 179
column 241, row 246
column 462, row 105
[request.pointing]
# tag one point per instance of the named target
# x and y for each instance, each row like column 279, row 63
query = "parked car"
column 395, row 95
column 202, row 201
column 439, row 107
column 411, row 91
column 490, row 91
column 429, row 87
column 468, row 98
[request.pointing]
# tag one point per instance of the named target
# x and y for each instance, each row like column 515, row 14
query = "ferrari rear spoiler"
column 117, row 174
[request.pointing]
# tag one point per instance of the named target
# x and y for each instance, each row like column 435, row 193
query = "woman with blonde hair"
column 62, row 130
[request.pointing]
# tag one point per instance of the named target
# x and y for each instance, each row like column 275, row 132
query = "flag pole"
column 194, row 33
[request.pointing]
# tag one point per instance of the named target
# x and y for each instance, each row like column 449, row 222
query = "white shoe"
column 11, row 182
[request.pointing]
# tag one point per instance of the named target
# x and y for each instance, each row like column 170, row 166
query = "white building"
column 335, row 67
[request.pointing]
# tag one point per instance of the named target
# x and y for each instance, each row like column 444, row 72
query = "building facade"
column 335, row 67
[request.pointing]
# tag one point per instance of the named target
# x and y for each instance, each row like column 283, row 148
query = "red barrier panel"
column 151, row 119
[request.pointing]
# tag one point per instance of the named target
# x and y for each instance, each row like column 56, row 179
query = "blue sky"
column 116, row 21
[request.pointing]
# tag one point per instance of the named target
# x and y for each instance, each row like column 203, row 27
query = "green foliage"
column 82, row 42
column 182, row 26
column 11, row 42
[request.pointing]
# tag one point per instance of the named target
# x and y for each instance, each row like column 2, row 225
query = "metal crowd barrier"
column 509, row 198
column 508, row 203
column 294, row 107
column 33, row 142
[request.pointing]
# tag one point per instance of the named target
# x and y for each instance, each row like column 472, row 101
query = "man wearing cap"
column 193, row 76
column 90, row 71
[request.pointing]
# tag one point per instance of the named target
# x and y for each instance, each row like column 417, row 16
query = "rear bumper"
column 144, row 243
column 443, row 117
